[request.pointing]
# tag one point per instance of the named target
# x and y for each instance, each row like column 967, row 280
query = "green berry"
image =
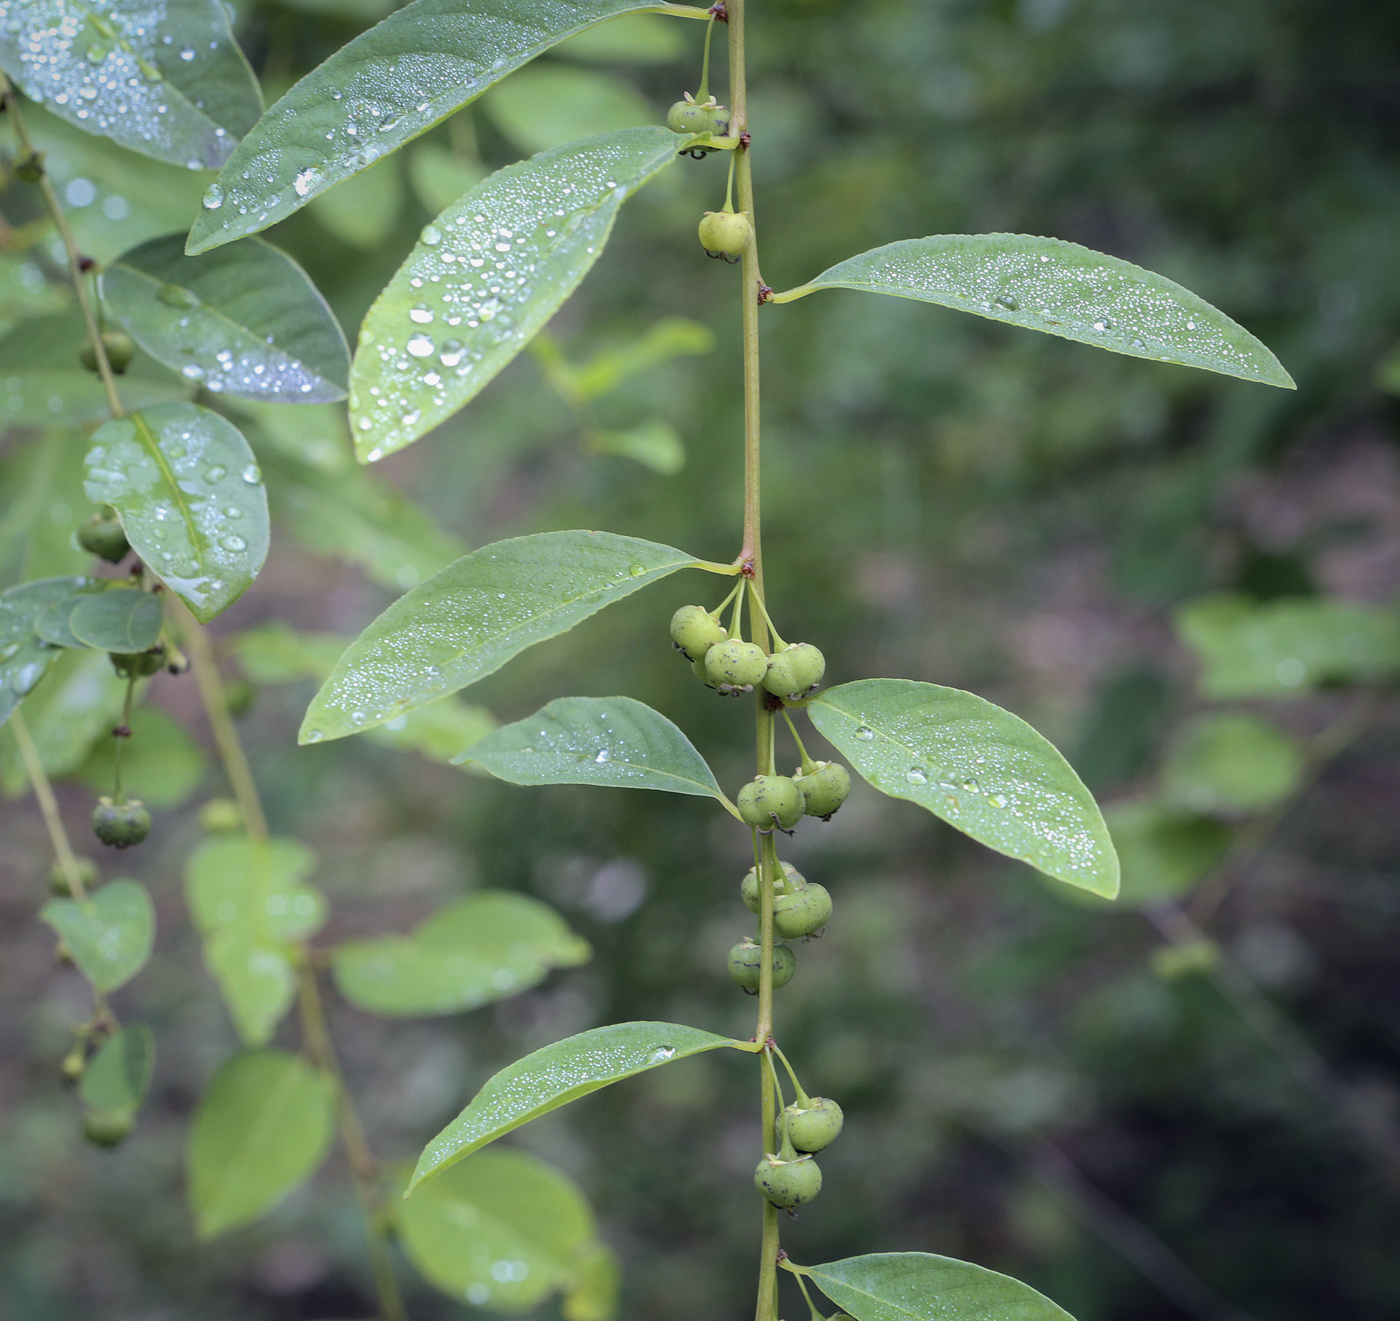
column 746, row 960
column 74, row 1065
column 825, row 788
column 692, row 116
column 725, row 234
column 58, row 878
column 800, row 914
column 812, row 1127
column 220, row 816
column 749, row 888
column 794, row 670
column 107, row 1128
column 771, row 800
column 695, row 630
column 102, row 535
column 121, row 824
column 735, row 664
column 139, row 664
column 788, row 1183
column 119, row 350
column 700, row 672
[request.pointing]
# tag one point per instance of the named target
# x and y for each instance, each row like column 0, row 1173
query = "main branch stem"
column 48, row 805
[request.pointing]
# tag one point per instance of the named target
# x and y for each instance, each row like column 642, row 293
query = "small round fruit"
column 771, row 800
column 792, row 671
column 102, row 535
column 749, row 889
column 735, row 664
column 74, row 1066
column 138, row 664
column 817, row 1126
column 107, row 1128
column 825, row 789
column 58, row 878
column 788, row 1183
column 220, row 816
column 119, row 350
column 121, row 824
column 695, row 630
column 692, row 116
column 725, row 233
column 746, row 960
column 800, row 914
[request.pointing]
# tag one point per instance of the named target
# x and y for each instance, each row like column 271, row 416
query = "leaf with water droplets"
column 485, row 947
column 124, row 621
column 110, row 933
column 382, row 90
column 1062, row 289
column 555, row 1075
column 245, row 320
column 467, row 621
column 24, row 656
column 190, row 497
column 978, row 767
column 167, row 81
column 919, row 1286
column 484, row 277
column 612, row 741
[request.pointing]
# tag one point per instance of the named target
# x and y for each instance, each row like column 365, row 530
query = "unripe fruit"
column 140, row 664
column 220, row 816
column 817, row 1126
column 692, row 116
column 802, row 913
column 749, row 887
column 121, row 824
column 794, row 670
column 746, row 960
column 58, row 878
column 725, row 234
column 788, row 1183
column 695, row 630
column 735, row 664
column 119, row 350
column 771, row 800
column 825, row 789
column 74, row 1065
column 102, row 535
column 106, row 1128
column 700, row 672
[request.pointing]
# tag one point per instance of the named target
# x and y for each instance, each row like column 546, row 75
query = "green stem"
column 703, row 93
column 808, row 766
column 121, row 736
column 767, row 618
column 803, row 1100
column 736, row 620
column 48, row 805
column 812, row 1307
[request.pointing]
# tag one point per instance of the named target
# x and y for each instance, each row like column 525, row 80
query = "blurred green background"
column 1144, row 1123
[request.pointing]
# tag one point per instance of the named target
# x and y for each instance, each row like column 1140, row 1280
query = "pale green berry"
column 725, row 234
column 814, row 1126
column 119, row 350
column 121, row 824
column 695, row 630
column 825, row 788
column 788, row 1183
column 749, row 886
column 220, row 816
column 107, row 1128
column 746, row 960
column 800, row 914
column 735, row 664
column 794, row 670
column 102, row 535
column 692, row 116
column 771, row 800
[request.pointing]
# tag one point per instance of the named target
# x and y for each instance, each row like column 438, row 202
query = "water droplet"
column 1008, row 302
column 233, row 543
column 306, row 180
column 971, row 786
column 215, row 474
column 663, row 1053
column 420, row 313
column 175, row 295
column 420, row 346
column 431, row 235
column 313, row 736
column 603, row 756
column 865, row 733
column 213, row 197
column 252, row 474
column 636, row 570
column 187, row 53
column 916, row 775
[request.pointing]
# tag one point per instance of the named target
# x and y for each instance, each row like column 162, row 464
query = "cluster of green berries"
column 733, row 666
column 800, row 908
column 791, row 1176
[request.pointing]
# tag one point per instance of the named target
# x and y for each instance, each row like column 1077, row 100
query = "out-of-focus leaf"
column 484, row 277
column 439, row 176
column 482, row 948
column 119, row 1075
column 80, row 703
column 161, row 764
column 555, row 1075
column 1232, row 762
column 245, row 320
column 669, row 338
column 597, row 1281
column 632, row 39
column 548, row 105
column 469, row 620
column 25, row 291
column 276, row 653
column 981, row 769
column 314, row 435
column 1388, row 371
column 256, row 981
column 363, row 210
column 440, row 731
column 110, row 933
column 41, row 492
column 382, row 90
column 655, row 444
column 124, row 621
column 190, row 497
column 1163, row 851
column 262, row 1128
column 1062, row 289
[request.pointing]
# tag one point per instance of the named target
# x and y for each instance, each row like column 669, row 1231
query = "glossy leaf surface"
column 919, row 1286
column 1062, row 289
column 978, row 767
column 124, row 621
column 110, row 933
column 612, row 741
column 119, row 1075
column 555, row 1075
column 469, row 620
column 244, row 321
column 24, row 656
column 380, row 91
column 191, row 499
column 484, row 277
column 169, row 83
column 262, row 1127
column 487, row 946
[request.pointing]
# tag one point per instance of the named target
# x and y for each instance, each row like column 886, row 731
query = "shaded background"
column 1025, row 1084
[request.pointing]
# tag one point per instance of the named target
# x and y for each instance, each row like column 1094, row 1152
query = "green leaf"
column 467, row 621
column 1232, row 762
column 555, row 1075
column 484, row 277
column 365, row 208
column 110, row 933
column 440, row 176
column 41, row 484
column 172, row 84
column 483, row 948
column 125, row 621
column 597, row 1282
column 256, row 980
column 245, row 320
column 161, row 764
column 26, row 290
column 22, row 665
column 1062, row 289
column 612, row 741
column 190, row 497
column 919, row 1286
column 24, row 656
column 978, row 767
column 262, row 1127
column 655, row 444
column 53, row 625
column 119, row 1075
column 439, row 731
column 632, row 39
column 388, row 85
column 1285, row 648
column 75, row 709
column 502, row 1230
column 1163, row 851
column 548, row 105
column 669, row 338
